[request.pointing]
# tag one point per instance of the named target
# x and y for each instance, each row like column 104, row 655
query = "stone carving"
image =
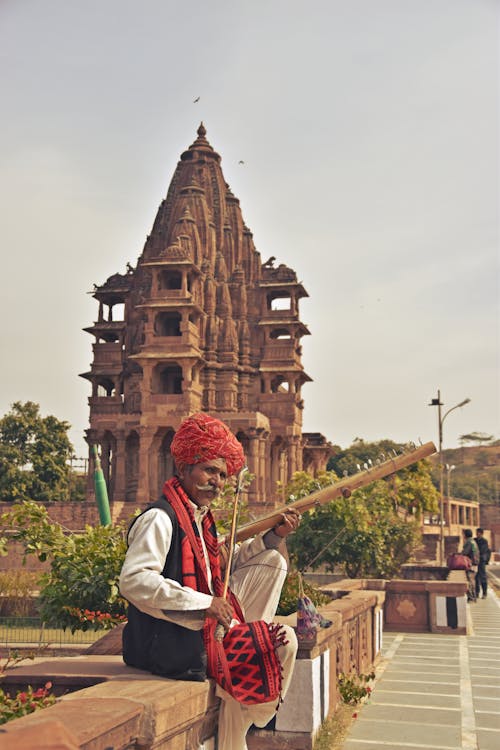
column 406, row 609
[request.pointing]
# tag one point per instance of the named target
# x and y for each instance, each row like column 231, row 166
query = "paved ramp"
column 436, row 692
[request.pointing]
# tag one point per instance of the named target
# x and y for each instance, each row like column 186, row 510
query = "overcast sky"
column 369, row 135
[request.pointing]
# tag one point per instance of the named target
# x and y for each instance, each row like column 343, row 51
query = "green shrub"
column 291, row 592
column 353, row 688
column 84, row 568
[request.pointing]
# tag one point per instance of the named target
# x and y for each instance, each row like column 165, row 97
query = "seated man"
column 171, row 578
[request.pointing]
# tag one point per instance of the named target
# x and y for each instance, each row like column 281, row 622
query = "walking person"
column 171, row 578
column 471, row 550
column 484, row 558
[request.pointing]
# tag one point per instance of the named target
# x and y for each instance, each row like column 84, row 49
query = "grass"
column 334, row 730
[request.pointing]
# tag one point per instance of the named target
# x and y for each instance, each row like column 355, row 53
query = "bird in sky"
column 241, row 161
column 196, row 100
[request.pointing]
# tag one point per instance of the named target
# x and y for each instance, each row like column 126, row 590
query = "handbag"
column 309, row 620
column 456, row 561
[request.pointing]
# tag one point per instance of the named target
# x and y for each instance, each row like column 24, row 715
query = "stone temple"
column 200, row 324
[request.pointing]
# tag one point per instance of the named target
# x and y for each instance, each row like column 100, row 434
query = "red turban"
column 203, row 438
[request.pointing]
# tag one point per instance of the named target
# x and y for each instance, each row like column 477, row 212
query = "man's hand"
column 290, row 521
column 221, row 610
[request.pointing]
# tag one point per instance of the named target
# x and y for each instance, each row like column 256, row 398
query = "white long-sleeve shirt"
column 141, row 581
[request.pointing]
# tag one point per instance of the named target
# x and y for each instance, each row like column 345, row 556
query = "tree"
column 412, row 488
column 371, row 533
column 362, row 535
column 476, row 437
column 34, row 452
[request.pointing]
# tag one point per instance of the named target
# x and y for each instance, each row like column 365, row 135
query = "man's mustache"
column 207, row 488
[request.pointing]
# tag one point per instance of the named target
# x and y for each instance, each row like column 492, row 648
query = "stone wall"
column 417, row 606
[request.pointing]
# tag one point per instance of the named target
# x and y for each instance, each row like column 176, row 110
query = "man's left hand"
column 290, row 521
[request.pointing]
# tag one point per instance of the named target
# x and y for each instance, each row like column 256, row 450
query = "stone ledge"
column 86, row 724
column 167, row 708
column 46, row 734
column 124, row 708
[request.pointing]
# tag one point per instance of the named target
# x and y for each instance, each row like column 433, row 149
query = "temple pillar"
column 253, row 466
column 119, row 478
column 146, row 435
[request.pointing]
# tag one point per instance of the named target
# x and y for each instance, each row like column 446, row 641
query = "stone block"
column 448, row 614
column 307, row 702
column 88, row 722
column 46, row 734
column 168, row 708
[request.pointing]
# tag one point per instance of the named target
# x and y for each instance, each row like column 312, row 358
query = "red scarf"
column 245, row 664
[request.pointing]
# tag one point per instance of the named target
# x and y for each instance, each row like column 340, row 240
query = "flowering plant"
column 88, row 618
column 353, row 688
column 25, row 702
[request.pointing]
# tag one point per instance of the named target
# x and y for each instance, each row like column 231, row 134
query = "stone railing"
column 418, row 605
column 105, row 704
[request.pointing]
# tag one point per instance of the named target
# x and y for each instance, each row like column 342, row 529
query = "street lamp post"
column 449, row 469
column 437, row 402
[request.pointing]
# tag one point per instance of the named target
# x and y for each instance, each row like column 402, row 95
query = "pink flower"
column 22, row 697
column 48, row 685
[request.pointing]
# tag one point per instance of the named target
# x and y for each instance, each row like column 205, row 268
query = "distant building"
column 200, row 324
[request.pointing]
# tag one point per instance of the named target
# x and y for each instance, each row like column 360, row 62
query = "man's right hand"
column 221, row 610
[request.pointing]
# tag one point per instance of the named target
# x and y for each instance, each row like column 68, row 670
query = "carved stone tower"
column 201, row 324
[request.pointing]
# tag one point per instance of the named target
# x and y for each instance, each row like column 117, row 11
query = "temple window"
column 279, row 384
column 281, row 333
column 105, row 387
column 170, row 380
column 108, row 337
column 167, row 324
column 170, row 280
column 282, row 301
column 116, row 312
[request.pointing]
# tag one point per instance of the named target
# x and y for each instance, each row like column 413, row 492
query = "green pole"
column 101, row 491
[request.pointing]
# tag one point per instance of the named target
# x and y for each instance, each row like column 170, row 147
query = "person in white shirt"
column 171, row 578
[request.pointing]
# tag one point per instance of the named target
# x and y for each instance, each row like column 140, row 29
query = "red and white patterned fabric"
column 245, row 664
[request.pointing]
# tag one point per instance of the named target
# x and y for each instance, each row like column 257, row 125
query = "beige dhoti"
column 257, row 582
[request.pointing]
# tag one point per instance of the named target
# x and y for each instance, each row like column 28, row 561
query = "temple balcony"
column 106, row 404
column 167, row 295
column 169, row 347
column 107, row 354
column 282, row 352
column 167, row 400
column 110, row 330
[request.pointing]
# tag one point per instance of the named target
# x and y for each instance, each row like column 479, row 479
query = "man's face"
column 203, row 481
